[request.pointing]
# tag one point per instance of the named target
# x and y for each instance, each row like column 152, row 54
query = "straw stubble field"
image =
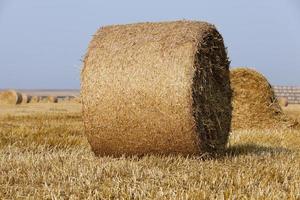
column 44, row 154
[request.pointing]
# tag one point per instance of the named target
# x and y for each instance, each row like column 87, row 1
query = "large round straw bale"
column 10, row 97
column 283, row 101
column 254, row 103
column 158, row 88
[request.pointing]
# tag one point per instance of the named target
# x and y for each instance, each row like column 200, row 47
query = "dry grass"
column 45, row 156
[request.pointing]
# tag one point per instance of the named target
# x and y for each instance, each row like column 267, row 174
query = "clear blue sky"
column 42, row 42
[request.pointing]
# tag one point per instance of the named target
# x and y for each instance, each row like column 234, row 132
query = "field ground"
column 44, row 155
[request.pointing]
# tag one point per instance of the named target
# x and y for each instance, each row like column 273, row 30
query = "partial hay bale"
column 52, row 99
column 48, row 99
column 35, row 99
column 10, row 97
column 62, row 99
column 75, row 99
column 67, row 99
column 283, row 102
column 43, row 99
column 254, row 103
column 159, row 88
column 25, row 98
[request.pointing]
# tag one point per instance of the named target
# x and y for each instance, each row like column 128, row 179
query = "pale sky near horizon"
column 42, row 42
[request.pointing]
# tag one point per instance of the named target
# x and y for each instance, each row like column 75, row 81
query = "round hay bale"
column 35, row 99
column 43, row 99
column 25, row 98
column 254, row 103
column 75, row 99
column 159, row 88
column 64, row 99
column 10, row 97
column 48, row 99
column 52, row 99
column 283, row 101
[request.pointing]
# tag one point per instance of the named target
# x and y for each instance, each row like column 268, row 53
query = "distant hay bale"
column 62, row 99
column 43, row 99
column 48, row 99
column 75, row 99
column 10, row 97
column 25, row 98
column 283, row 102
column 71, row 99
column 159, row 88
column 254, row 103
column 35, row 99
column 52, row 99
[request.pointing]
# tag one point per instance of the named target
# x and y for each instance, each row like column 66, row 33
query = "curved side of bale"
column 283, row 102
column 10, row 97
column 158, row 88
column 254, row 103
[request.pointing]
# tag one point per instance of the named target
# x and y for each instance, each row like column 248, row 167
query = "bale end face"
column 159, row 88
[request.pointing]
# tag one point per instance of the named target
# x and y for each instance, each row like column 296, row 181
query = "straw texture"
column 159, row 88
column 10, row 97
column 254, row 103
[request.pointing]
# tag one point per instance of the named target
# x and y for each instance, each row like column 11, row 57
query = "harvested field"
column 44, row 154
